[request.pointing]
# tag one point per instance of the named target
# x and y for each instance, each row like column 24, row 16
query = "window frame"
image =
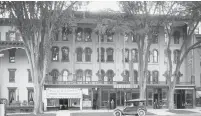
column 79, row 53
column 14, row 96
column 12, row 55
column 110, row 58
column 56, row 52
column 29, row 90
column 12, row 70
column 155, row 57
column 88, row 53
column 62, row 53
column 30, row 79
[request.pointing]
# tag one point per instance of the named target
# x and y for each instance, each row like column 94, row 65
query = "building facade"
column 80, row 76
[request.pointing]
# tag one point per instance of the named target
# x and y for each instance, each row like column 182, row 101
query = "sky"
column 102, row 5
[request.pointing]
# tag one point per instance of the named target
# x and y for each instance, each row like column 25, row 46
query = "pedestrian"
column 112, row 104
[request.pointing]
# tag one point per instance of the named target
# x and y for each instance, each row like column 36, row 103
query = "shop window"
column 88, row 76
column 88, row 53
column 110, row 74
column 148, row 77
column 102, row 54
column 30, row 94
column 12, row 75
column 12, row 95
column 176, row 36
column 87, row 34
column 65, row 74
column 155, row 77
column 176, row 56
column 79, row 52
column 55, row 75
column 65, row 54
column 155, row 56
column 79, row 76
column 110, row 52
column 65, row 32
column 29, row 76
column 12, row 55
column 101, row 75
column 126, row 55
column 55, row 53
column 134, row 55
column 135, row 77
column 79, row 33
column 10, row 36
column 125, row 75
column 189, row 99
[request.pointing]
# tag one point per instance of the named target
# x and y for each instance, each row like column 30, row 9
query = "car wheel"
column 117, row 113
column 141, row 112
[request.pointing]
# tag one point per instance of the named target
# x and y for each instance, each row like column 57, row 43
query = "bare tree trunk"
column 171, row 98
column 38, row 107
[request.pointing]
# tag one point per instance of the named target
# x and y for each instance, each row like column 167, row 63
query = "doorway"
column 112, row 100
column 63, row 103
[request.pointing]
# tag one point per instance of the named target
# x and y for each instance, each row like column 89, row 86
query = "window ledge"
column 65, row 60
column 83, row 62
column 55, row 60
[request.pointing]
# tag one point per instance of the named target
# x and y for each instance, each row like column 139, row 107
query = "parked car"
column 133, row 107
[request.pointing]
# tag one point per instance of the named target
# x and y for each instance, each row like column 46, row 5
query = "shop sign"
column 63, row 93
column 125, row 86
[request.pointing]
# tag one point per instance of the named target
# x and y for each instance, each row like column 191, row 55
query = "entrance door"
column 112, row 100
column 63, row 104
column 155, row 101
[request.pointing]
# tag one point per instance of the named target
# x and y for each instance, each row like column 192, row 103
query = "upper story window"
column 65, row 32
column 149, row 56
column 79, row 52
column 101, row 37
column 55, row 75
column 65, row 54
column 88, row 76
column 110, row 74
column 55, row 53
column 155, row 56
column 155, row 77
column 110, row 52
column 56, row 36
column 176, row 56
column 79, row 75
column 79, row 34
column 29, row 76
column 12, row 55
column 135, row 76
column 125, row 75
column 10, row 36
column 87, row 34
column 126, row 55
column 102, row 54
column 176, row 36
column 12, row 95
column 11, row 75
column 134, row 38
column 109, row 34
column 30, row 94
column 65, row 74
column 88, row 53
column 126, row 37
column 101, row 75
column 155, row 38
column 134, row 55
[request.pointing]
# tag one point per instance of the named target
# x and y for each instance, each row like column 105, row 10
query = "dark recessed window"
column 12, row 55
column 11, row 75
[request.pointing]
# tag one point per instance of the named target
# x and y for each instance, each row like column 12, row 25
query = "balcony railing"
column 111, row 82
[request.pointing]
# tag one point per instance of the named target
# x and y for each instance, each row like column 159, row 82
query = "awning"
column 198, row 94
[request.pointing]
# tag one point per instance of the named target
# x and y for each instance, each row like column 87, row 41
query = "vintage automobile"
column 133, row 107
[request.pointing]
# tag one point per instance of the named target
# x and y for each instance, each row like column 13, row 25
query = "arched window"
column 88, row 52
column 87, row 34
column 126, row 55
column 102, row 54
column 88, row 76
column 110, row 74
column 79, row 52
column 176, row 56
column 55, row 75
column 148, row 77
column 135, row 77
column 65, row 74
column 79, row 33
column 65, row 54
column 125, row 75
column 176, row 36
column 55, row 53
column 79, row 76
column 101, row 75
column 155, row 56
column 155, row 77
column 110, row 52
column 65, row 32
column 134, row 55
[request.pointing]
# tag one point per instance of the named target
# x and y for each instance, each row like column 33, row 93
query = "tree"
column 190, row 9
column 36, row 21
column 144, row 26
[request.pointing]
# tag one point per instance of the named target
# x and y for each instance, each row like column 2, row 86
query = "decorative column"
column 73, row 50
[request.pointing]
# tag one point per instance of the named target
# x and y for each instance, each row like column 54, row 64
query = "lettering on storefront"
column 63, row 93
column 125, row 86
